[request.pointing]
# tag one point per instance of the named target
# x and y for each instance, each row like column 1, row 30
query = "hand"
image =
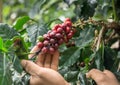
column 43, row 71
column 102, row 78
column 46, row 60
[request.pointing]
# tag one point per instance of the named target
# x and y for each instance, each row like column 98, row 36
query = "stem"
column 114, row 10
column 100, row 38
column 35, row 54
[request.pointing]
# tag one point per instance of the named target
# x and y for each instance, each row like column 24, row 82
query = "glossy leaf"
column 20, row 22
column 110, row 57
column 83, row 79
column 86, row 36
column 36, row 7
column 7, row 32
column 70, row 56
column 71, row 76
column 36, row 30
column 99, row 58
column 2, row 45
column 5, row 73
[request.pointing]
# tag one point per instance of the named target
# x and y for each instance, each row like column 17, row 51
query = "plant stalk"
column 114, row 11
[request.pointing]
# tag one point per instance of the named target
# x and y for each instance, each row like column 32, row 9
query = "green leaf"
column 99, row 58
column 83, row 79
column 17, row 65
column 70, row 56
column 20, row 79
column 71, row 76
column 2, row 45
column 111, row 62
column 7, row 32
column 5, row 73
column 103, row 10
column 36, row 7
column 36, row 30
column 85, row 8
column 86, row 36
column 20, row 22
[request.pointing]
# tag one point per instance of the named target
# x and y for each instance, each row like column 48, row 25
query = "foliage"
column 92, row 46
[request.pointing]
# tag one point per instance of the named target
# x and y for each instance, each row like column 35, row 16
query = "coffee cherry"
column 44, row 50
column 69, row 36
column 63, row 26
column 67, row 19
column 52, row 34
column 58, row 35
column 82, row 64
column 60, row 41
column 45, row 36
column 68, row 23
column 40, row 44
column 56, row 45
column 46, row 42
column 52, row 40
column 56, row 26
column 67, row 30
column 59, row 30
column 51, row 50
column 40, row 38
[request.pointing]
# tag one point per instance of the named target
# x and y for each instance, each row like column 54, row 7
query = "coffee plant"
column 86, row 33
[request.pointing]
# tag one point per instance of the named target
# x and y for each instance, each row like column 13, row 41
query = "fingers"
column 96, row 75
column 55, row 61
column 40, row 59
column 30, row 67
column 47, row 62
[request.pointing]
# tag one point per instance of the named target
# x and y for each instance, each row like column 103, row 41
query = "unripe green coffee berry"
column 40, row 38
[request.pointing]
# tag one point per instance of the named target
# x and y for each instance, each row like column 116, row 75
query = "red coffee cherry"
column 51, row 50
column 46, row 42
column 68, row 23
column 40, row 44
column 44, row 50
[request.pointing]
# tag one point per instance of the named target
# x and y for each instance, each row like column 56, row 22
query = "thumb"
column 31, row 67
column 96, row 75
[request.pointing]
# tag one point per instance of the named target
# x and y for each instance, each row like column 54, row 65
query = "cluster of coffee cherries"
column 60, row 33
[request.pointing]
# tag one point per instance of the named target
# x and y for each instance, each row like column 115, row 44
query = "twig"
column 111, row 36
column 100, row 37
column 114, row 10
column 36, row 53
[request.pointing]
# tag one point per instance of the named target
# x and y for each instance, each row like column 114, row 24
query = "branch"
column 114, row 10
column 100, row 37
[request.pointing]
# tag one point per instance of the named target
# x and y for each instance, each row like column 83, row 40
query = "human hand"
column 44, row 70
column 46, row 60
column 41, row 75
column 102, row 78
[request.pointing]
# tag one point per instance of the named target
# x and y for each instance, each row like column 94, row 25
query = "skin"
column 102, row 78
column 44, row 71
